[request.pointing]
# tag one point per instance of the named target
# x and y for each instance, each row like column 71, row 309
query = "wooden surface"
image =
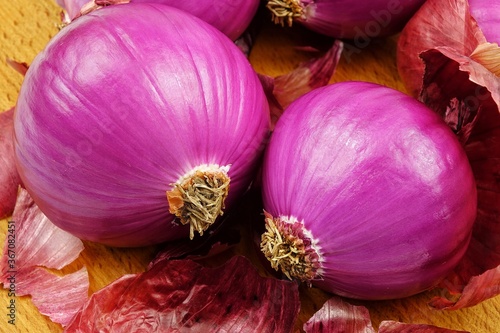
column 27, row 25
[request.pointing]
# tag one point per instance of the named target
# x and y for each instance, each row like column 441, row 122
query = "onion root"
column 288, row 249
column 285, row 11
column 198, row 199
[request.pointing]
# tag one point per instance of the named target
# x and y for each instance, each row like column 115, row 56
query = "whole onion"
column 129, row 106
column 231, row 17
column 358, row 20
column 368, row 193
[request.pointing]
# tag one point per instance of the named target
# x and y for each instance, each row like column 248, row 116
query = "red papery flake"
column 184, row 296
column 338, row 316
column 397, row 327
column 33, row 242
column 315, row 73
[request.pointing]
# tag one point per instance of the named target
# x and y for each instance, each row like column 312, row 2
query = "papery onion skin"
column 9, row 177
column 358, row 20
column 458, row 24
column 134, row 97
column 379, row 182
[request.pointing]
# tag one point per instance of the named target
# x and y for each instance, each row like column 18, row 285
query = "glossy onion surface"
column 120, row 105
column 379, row 183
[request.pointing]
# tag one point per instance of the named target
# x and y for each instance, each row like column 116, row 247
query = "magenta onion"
column 140, row 103
column 231, row 17
column 367, row 192
column 358, row 20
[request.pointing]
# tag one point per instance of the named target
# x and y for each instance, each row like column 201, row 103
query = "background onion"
column 370, row 191
column 135, row 97
column 231, row 17
column 360, row 20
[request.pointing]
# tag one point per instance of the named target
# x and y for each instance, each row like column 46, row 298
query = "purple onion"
column 129, row 106
column 358, row 20
column 231, row 17
column 368, row 193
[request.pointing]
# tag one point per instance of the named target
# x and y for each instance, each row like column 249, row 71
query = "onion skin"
column 358, row 20
column 380, row 183
column 449, row 23
column 135, row 97
column 9, row 177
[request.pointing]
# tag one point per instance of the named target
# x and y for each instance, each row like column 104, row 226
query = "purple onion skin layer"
column 358, row 20
column 380, row 182
column 487, row 15
column 122, row 103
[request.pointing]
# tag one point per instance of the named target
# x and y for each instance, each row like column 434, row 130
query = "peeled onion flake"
column 183, row 296
column 20, row 67
column 389, row 326
column 317, row 72
column 58, row 297
column 34, row 242
column 9, row 178
column 467, row 96
column 338, row 316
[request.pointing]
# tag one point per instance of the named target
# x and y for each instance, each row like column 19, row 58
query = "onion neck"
column 198, row 197
column 285, row 11
column 288, row 248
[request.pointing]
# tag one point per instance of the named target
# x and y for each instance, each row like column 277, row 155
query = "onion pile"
column 152, row 124
column 368, row 193
column 147, row 114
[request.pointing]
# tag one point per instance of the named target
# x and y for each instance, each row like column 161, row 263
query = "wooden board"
column 25, row 28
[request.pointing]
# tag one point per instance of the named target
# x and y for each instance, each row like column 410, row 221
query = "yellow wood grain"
column 25, row 28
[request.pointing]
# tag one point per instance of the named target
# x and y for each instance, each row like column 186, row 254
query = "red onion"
column 140, row 103
column 368, row 193
column 360, row 20
column 231, row 17
column 184, row 296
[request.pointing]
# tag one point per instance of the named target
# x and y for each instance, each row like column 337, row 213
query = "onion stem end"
column 198, row 199
column 288, row 249
column 285, row 11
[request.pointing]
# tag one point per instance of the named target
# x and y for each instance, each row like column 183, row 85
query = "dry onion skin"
column 368, row 193
column 149, row 119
